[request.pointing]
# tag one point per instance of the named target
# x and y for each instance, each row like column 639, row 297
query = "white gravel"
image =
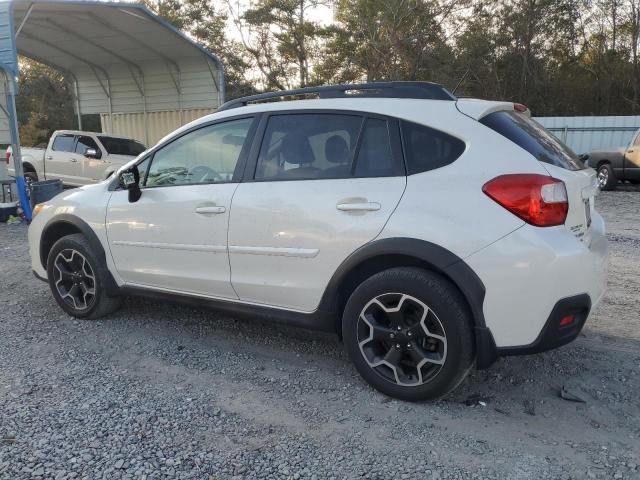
column 167, row 391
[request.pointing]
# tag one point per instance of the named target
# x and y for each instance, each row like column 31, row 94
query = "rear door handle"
column 49, row 157
column 358, row 207
column 74, row 160
column 213, row 209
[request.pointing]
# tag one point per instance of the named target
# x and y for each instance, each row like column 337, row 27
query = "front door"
column 62, row 162
column 309, row 204
column 92, row 168
column 175, row 236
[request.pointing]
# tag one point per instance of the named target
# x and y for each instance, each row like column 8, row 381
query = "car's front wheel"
column 78, row 280
column 409, row 334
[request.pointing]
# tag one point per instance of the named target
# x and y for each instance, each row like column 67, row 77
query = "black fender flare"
column 83, row 227
column 436, row 258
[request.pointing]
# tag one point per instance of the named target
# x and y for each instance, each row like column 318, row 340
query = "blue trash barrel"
column 44, row 190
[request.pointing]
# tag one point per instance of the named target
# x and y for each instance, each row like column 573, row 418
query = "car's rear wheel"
column 606, row 177
column 77, row 279
column 409, row 333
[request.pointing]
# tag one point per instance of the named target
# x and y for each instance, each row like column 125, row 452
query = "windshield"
column 122, row 146
column 534, row 138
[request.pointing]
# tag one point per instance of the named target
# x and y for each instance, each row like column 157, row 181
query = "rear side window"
column 63, row 143
column 308, row 147
column 534, row 138
column 427, row 149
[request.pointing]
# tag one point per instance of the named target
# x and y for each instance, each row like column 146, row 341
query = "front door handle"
column 74, row 160
column 358, row 207
column 209, row 210
column 49, row 157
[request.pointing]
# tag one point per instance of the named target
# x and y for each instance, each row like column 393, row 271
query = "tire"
column 29, row 178
column 78, row 279
column 445, row 355
column 606, row 177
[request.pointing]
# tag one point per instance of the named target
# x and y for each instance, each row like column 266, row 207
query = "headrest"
column 295, row 149
column 336, row 150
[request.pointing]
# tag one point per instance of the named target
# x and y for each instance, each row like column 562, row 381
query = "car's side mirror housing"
column 92, row 153
column 130, row 181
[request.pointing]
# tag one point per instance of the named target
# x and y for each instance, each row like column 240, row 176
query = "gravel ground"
column 167, row 391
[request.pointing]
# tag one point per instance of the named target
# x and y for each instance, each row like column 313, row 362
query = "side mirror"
column 130, row 180
column 92, row 153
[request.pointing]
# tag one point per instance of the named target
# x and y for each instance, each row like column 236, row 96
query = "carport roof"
column 122, row 56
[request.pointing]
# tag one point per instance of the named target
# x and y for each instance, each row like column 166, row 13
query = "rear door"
column 558, row 159
column 62, row 162
column 321, row 185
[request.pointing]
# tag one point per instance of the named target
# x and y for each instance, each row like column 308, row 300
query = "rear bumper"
column 534, row 277
column 553, row 335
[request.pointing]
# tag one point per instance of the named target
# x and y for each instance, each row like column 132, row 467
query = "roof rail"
column 417, row 90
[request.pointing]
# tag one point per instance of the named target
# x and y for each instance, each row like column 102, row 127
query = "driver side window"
column 207, row 155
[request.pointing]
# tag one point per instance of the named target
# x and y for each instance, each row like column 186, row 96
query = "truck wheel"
column 409, row 334
column 29, row 178
column 606, row 178
column 77, row 279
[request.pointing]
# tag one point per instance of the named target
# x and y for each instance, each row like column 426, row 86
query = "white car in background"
column 75, row 157
column 431, row 233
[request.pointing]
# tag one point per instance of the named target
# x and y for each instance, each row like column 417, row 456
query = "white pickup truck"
column 77, row 158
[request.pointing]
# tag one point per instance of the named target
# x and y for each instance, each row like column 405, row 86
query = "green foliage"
column 44, row 103
column 207, row 25
column 560, row 57
column 282, row 41
column 388, row 40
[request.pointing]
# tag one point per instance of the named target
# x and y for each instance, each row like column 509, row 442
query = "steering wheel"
column 202, row 174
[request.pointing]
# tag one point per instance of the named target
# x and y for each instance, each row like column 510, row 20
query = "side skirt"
column 319, row 320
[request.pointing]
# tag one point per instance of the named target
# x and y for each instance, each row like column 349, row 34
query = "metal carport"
column 120, row 57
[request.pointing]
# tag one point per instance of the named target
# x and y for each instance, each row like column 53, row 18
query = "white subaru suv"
column 431, row 233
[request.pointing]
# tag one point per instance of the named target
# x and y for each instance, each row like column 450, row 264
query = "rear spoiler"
column 478, row 109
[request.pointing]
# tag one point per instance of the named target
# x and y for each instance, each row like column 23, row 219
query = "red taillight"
column 518, row 107
column 538, row 200
column 7, row 156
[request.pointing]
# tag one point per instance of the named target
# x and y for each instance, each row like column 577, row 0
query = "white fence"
column 584, row 134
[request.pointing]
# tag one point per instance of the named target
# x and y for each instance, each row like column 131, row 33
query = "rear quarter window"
column 534, row 138
column 427, row 149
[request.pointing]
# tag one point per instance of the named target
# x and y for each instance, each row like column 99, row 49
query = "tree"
column 207, row 25
column 282, row 41
column 44, row 103
column 396, row 39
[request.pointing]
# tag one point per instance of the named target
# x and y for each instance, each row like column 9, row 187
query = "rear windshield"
column 534, row 138
column 122, row 146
